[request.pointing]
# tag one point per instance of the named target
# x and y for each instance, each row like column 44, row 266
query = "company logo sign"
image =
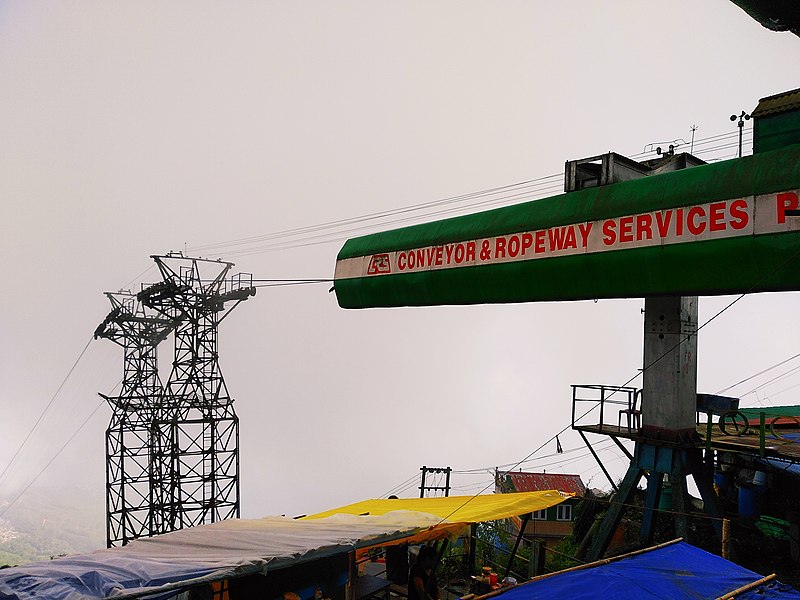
column 379, row 264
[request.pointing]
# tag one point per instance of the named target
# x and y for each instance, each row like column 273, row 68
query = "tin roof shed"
column 538, row 482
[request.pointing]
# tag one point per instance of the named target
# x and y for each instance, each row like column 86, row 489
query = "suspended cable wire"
column 646, row 367
column 331, row 231
column 791, row 387
column 373, row 216
column 491, row 469
column 773, row 380
column 400, row 485
column 290, row 282
column 342, row 234
column 57, row 454
column 746, row 379
column 46, row 409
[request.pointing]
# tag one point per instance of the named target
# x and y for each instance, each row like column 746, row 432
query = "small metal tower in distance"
column 196, row 427
column 129, row 464
column 428, row 488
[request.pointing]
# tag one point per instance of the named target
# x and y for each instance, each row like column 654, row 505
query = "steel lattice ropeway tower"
column 130, row 468
column 172, row 458
column 195, row 427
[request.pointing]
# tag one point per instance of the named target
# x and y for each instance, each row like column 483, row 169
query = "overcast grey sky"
column 134, row 128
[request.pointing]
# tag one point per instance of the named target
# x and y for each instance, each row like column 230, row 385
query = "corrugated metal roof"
column 538, row 482
column 778, row 103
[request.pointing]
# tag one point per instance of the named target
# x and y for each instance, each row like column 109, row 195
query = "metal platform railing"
column 605, row 405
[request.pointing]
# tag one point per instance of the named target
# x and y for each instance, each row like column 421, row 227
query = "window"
column 564, row 512
column 540, row 515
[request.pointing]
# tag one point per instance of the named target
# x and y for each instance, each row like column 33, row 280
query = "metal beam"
column 597, row 458
column 621, row 447
column 609, row 525
column 655, row 482
column 513, row 554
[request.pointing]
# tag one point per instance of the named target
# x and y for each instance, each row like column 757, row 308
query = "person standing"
column 397, row 561
column 422, row 583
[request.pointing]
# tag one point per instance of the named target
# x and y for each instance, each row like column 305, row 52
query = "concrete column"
column 669, row 391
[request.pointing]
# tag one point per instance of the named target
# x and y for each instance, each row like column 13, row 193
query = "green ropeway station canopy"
column 721, row 228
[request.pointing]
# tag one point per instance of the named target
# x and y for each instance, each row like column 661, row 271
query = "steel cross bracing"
column 129, row 437
column 196, row 430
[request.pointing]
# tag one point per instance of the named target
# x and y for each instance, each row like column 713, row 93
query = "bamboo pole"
column 746, row 588
column 605, row 561
column 726, row 539
column 596, row 563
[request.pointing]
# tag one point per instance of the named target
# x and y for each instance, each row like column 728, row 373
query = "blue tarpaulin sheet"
column 783, row 466
column 675, row 571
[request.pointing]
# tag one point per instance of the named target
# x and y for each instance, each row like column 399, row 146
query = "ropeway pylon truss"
column 189, row 423
column 129, row 465
column 196, row 427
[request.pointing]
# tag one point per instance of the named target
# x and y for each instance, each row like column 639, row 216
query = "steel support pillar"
column 611, row 521
column 657, row 461
column 655, row 483
column 521, row 533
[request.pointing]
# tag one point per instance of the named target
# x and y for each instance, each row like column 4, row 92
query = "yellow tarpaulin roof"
column 454, row 512
column 456, row 509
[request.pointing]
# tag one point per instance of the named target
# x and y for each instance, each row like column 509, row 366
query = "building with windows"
column 550, row 524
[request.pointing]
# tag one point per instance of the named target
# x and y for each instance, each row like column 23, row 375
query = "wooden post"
column 536, row 566
column 679, row 506
column 513, row 555
column 469, row 557
column 726, row 539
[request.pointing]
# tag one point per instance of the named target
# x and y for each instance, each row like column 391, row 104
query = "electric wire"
column 486, row 469
column 299, row 237
column 746, row 137
column 791, row 387
column 657, row 360
column 291, row 282
column 482, row 470
column 646, row 367
column 371, row 216
column 269, row 283
column 602, row 447
column 560, row 463
column 46, row 409
column 383, row 214
column 52, row 460
column 401, row 491
column 138, row 277
column 342, row 234
column 419, row 207
column 746, row 379
column 661, row 510
column 400, row 485
column 773, row 380
column 298, row 279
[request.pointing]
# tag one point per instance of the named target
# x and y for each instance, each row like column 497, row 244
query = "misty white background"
column 129, row 129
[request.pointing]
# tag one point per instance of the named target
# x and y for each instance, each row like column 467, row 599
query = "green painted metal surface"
column 745, row 263
column 776, row 131
column 771, row 411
